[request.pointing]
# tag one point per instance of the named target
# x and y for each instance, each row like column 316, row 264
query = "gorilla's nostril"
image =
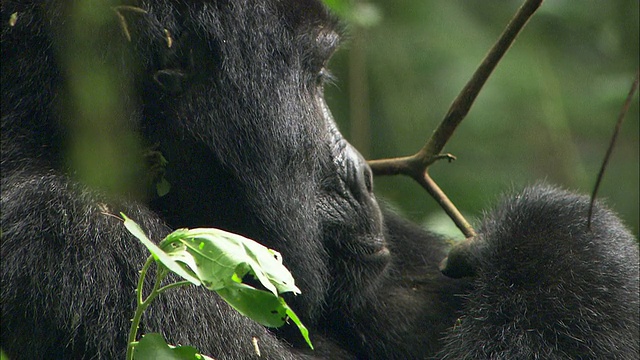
column 360, row 177
column 363, row 178
column 368, row 178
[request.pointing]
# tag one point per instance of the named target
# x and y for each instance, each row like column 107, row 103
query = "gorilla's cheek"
column 352, row 230
column 352, row 234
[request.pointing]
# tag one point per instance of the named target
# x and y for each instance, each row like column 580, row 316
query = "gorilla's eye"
column 325, row 77
column 325, row 44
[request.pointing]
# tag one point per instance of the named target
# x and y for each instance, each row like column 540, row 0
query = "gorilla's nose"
column 359, row 173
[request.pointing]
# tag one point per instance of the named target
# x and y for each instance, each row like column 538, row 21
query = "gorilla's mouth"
column 381, row 255
column 374, row 247
column 371, row 247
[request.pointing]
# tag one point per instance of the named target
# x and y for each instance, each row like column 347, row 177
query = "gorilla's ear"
column 172, row 81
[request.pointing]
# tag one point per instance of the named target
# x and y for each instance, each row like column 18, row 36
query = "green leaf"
column 262, row 307
column 296, row 320
column 341, row 7
column 223, row 258
column 359, row 13
column 163, row 187
column 158, row 254
column 220, row 261
column 153, row 347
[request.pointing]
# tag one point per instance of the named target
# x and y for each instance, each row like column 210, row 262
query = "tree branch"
column 416, row 166
column 612, row 142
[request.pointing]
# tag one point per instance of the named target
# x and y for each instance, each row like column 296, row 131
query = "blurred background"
column 546, row 114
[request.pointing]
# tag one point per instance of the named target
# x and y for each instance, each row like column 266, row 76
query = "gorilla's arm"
column 546, row 286
column 69, row 272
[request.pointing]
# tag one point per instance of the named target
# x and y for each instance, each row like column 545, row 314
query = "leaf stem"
column 140, row 308
column 173, row 285
column 143, row 304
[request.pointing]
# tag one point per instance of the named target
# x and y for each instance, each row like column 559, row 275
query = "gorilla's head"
column 252, row 147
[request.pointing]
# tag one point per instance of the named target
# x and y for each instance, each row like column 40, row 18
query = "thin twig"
column 614, row 137
column 416, row 166
column 437, row 193
column 461, row 105
column 123, row 21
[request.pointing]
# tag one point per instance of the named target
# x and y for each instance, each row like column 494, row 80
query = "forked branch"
column 417, row 165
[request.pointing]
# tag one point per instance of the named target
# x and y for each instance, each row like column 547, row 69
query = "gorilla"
column 230, row 93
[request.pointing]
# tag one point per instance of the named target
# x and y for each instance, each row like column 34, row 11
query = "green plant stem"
column 143, row 304
column 173, row 285
column 135, row 322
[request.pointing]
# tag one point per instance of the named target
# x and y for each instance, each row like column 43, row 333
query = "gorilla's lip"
column 363, row 246
column 382, row 252
column 371, row 247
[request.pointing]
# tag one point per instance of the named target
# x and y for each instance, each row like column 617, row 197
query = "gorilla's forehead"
column 272, row 36
column 297, row 15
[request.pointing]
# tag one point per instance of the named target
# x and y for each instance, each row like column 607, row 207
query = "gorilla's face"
column 241, row 113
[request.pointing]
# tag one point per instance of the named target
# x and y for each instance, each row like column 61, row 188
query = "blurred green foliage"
column 547, row 112
column 101, row 150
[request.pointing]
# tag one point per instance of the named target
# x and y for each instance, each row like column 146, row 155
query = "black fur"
column 235, row 105
column 546, row 286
